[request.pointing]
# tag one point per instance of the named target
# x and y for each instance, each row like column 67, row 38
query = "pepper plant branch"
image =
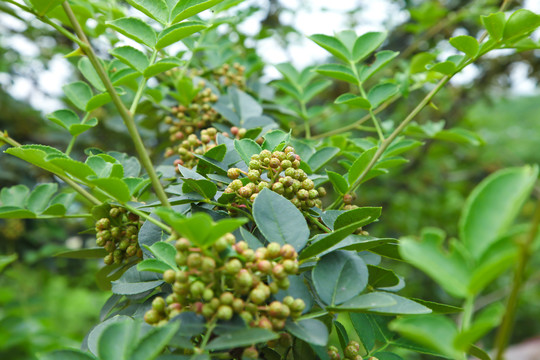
column 124, row 112
column 4, row 137
column 503, row 334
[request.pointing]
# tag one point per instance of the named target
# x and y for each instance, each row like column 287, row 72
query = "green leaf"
column 187, row 8
column 403, row 306
column 279, row 220
column 289, row 72
column 445, row 67
column 116, row 340
column 134, row 282
column 337, row 71
column 460, row 135
column 39, row 197
column 314, row 88
column 466, row 44
column 162, row 66
column 333, row 46
column 115, row 187
column 380, row 277
column 484, row 322
column 131, row 57
column 332, row 277
column 363, row 302
column 311, row 331
column 79, row 93
column 178, row 32
column 135, row 29
column 36, row 154
column 382, row 58
column 241, row 338
column 154, row 342
column 204, row 187
column 98, row 101
column 88, row 253
column 521, row 23
column 42, row 7
column 76, row 168
column 5, row 260
column 366, row 44
column 165, row 252
column 156, row 9
column 433, row 331
column 493, row 205
column 380, row 93
column 494, row 24
column 12, row 212
column 321, row 157
column 360, row 164
column 438, row 308
column 339, row 183
column 65, row 118
column 67, row 355
column 87, row 69
column 364, row 215
column 449, row 269
column 223, row 227
column 246, row 148
column 274, row 138
column 154, row 265
column 14, row 195
column 353, row 100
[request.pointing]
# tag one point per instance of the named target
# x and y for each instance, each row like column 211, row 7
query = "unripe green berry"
column 298, row 305
column 278, row 188
column 244, row 278
column 264, row 266
column 236, row 185
column 169, row 276
column 233, row 266
column 302, row 194
column 233, row 173
column 152, row 317
column 277, row 324
column 159, row 304
column 274, row 287
column 250, row 353
column 264, row 323
column 221, row 244
column 279, row 155
column 350, row 352
column 181, row 276
column 245, row 192
column 180, row 288
column 114, row 212
column 257, row 296
column 262, row 185
column 274, row 309
column 208, row 264
column 224, row 312
column 313, row 194
column 274, row 163
column 290, row 172
column 288, row 300
column 196, row 289
column 207, row 294
column 279, row 272
column 290, row 266
column 321, row 191
column 288, row 252
column 207, row 311
column 288, row 149
column 246, row 316
column 103, row 223
column 272, row 250
column 241, row 246
column 124, row 244
column 253, row 175
column 226, row 298
column 238, row 305
column 194, row 260
column 255, row 164
column 230, row 238
column 286, row 164
column 284, row 283
column 182, row 244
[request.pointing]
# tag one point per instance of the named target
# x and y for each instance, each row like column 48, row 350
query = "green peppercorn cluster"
column 118, row 234
column 227, row 75
column 193, row 145
column 279, row 171
column 218, row 283
column 351, row 352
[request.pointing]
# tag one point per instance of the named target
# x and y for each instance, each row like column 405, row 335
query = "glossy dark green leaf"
column 333, row 46
column 187, row 8
column 365, row 215
column 360, row 164
column 433, row 331
column 116, row 341
column 135, row 29
column 380, row 277
column 466, row 44
column 162, row 65
column 381, row 93
column 493, row 205
column 322, row 157
column 353, row 100
column 279, row 220
column 156, row 9
column 366, row 44
column 241, row 338
column 363, row 302
column 337, row 71
column 332, row 277
column 67, row 355
column 246, row 148
column 79, row 93
column 154, row 342
column 178, row 32
column 402, row 306
column 131, row 57
column 311, row 331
